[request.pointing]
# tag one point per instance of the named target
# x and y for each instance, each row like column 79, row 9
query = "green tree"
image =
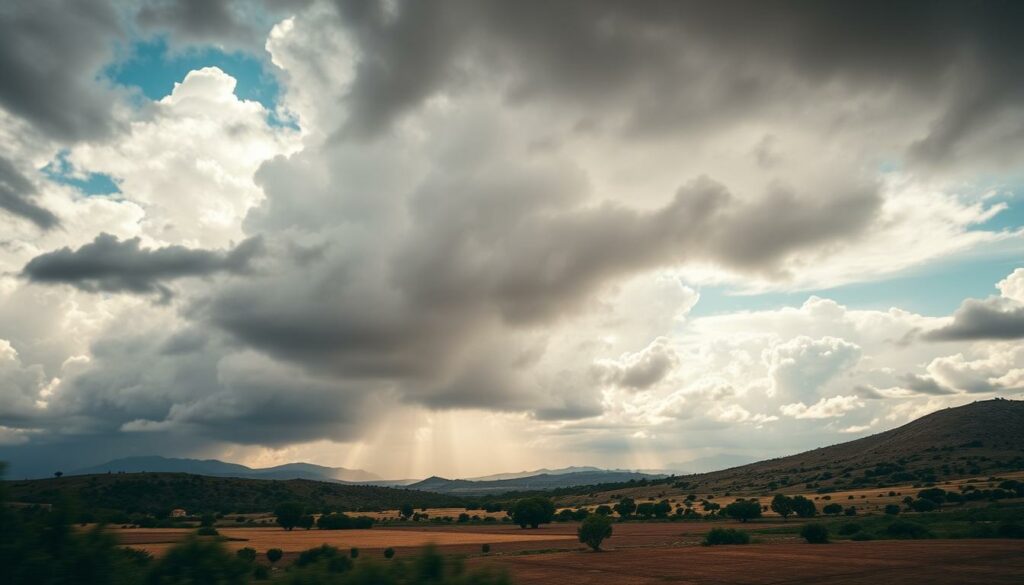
column 782, row 505
column 626, row 507
column 803, row 507
column 274, row 555
column 533, row 512
column 603, row 510
column 892, row 509
column 289, row 514
column 247, row 554
column 743, row 510
column 406, row 511
column 594, row 529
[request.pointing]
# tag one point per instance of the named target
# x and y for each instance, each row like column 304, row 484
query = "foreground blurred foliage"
column 42, row 546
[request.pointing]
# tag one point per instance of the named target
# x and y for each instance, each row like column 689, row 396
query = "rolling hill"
column 543, row 481
column 213, row 467
column 979, row 439
column 156, row 493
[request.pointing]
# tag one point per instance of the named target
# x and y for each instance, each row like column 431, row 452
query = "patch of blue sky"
column 59, row 170
column 152, row 67
column 935, row 290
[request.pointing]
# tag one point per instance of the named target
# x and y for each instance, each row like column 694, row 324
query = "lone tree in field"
column 289, row 514
column 782, row 505
column 625, row 507
column 57, row 474
column 533, row 512
column 594, row 529
column 274, row 555
column 743, row 510
column 406, row 511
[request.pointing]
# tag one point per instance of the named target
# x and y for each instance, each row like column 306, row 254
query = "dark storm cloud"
column 925, row 385
column 683, row 63
column 110, row 265
column 992, row 318
column 214, row 21
column 16, row 197
column 50, row 55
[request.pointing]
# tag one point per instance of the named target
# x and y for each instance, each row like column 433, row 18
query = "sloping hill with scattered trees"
column 982, row 438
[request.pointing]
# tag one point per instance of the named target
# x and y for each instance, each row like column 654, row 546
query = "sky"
column 465, row 237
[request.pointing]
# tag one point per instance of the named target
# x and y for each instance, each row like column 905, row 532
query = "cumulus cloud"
column 833, row 407
column 216, row 21
column 997, row 317
column 801, row 366
column 110, row 265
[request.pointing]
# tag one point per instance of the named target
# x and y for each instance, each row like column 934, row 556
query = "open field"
column 158, row 540
column 962, row 562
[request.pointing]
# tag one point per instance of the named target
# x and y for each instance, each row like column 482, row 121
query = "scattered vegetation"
column 718, row 536
column 593, row 530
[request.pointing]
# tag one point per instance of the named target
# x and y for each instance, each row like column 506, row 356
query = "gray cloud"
column 110, row 265
column 654, row 55
column 50, row 54
column 925, row 385
column 15, row 197
column 992, row 318
column 216, row 21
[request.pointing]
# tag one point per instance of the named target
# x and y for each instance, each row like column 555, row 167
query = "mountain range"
column 215, row 468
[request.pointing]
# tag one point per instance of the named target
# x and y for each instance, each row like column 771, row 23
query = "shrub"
column 905, row 529
column 485, row 548
column 260, row 573
column 1010, row 530
column 198, row 561
column 814, row 533
column 247, row 554
column 594, row 530
column 274, row 555
column 329, row 557
column 719, row 536
column 892, row 509
column 389, row 552
column 625, row 507
column 849, row 528
column 861, row 536
column 343, row 522
column 851, row 511
column 832, row 509
column 207, row 531
column 353, row 552
column 923, row 505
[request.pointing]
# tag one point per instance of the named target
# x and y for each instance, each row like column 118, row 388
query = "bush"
column 833, row 509
column 861, row 536
column 904, row 529
column 814, row 533
column 325, row 555
column 485, row 548
column 892, row 509
column 353, row 552
column 389, row 552
column 923, row 505
column 719, row 536
column 594, row 530
column 782, row 505
column 247, row 554
column 260, row 573
column 343, row 522
column 1010, row 530
column 207, row 531
column 803, row 507
column 849, row 528
column 199, row 561
column 274, row 555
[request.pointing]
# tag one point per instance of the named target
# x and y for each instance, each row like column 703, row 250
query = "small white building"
column 178, row 513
